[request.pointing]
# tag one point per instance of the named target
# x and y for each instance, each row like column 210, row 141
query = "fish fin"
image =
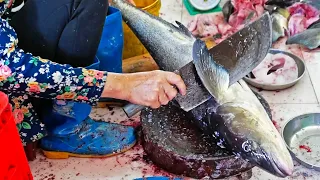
column 213, row 76
column 310, row 38
column 184, row 29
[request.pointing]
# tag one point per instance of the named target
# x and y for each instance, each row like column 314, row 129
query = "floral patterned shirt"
column 22, row 73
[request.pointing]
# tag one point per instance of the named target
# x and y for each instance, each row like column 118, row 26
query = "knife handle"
column 132, row 109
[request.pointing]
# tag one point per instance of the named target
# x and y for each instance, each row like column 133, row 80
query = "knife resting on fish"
column 239, row 54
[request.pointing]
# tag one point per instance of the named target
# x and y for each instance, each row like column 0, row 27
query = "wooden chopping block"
column 172, row 140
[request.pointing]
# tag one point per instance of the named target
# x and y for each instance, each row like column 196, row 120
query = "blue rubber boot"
column 71, row 132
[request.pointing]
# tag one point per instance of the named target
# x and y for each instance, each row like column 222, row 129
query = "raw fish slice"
column 276, row 70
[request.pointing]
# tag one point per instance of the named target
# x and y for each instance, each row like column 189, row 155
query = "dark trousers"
column 64, row 31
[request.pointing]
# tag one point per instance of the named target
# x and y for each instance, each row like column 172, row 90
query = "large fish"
column 173, row 46
column 238, row 119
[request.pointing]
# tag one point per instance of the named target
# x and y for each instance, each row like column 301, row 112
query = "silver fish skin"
column 169, row 45
column 279, row 26
column 309, row 38
column 244, row 124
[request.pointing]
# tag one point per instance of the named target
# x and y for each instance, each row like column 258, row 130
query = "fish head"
column 255, row 139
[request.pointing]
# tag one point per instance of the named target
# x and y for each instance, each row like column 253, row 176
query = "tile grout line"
column 314, row 90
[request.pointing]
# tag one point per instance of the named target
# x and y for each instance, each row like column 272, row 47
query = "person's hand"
column 152, row 89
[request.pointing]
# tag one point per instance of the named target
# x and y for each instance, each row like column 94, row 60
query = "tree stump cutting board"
column 173, row 141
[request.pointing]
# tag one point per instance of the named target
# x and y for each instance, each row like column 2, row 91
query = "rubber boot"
column 71, row 132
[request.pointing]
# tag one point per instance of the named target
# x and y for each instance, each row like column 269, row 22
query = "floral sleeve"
column 23, row 73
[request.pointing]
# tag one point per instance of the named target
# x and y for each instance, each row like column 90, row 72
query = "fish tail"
column 213, row 76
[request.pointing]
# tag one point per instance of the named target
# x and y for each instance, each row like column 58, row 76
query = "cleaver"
column 245, row 48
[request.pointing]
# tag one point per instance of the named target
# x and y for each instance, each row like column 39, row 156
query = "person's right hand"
column 152, row 89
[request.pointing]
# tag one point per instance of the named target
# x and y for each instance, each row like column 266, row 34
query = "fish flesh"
column 287, row 3
column 244, row 126
column 174, row 46
column 302, row 16
column 309, row 38
column 242, row 9
column 210, row 26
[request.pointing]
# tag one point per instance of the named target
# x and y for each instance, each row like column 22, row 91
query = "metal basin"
column 302, row 136
column 271, row 87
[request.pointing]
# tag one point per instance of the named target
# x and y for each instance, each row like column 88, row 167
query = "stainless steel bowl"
column 302, row 136
column 271, row 87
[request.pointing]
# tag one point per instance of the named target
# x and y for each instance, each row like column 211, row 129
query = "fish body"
column 162, row 39
column 239, row 120
column 172, row 47
column 309, row 38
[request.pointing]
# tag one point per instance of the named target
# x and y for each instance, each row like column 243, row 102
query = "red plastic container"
column 13, row 163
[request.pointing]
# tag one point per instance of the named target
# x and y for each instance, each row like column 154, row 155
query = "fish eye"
column 247, row 146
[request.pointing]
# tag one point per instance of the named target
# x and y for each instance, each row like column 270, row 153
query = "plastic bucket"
column 132, row 45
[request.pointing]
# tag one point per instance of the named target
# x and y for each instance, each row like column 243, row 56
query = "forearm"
column 24, row 73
